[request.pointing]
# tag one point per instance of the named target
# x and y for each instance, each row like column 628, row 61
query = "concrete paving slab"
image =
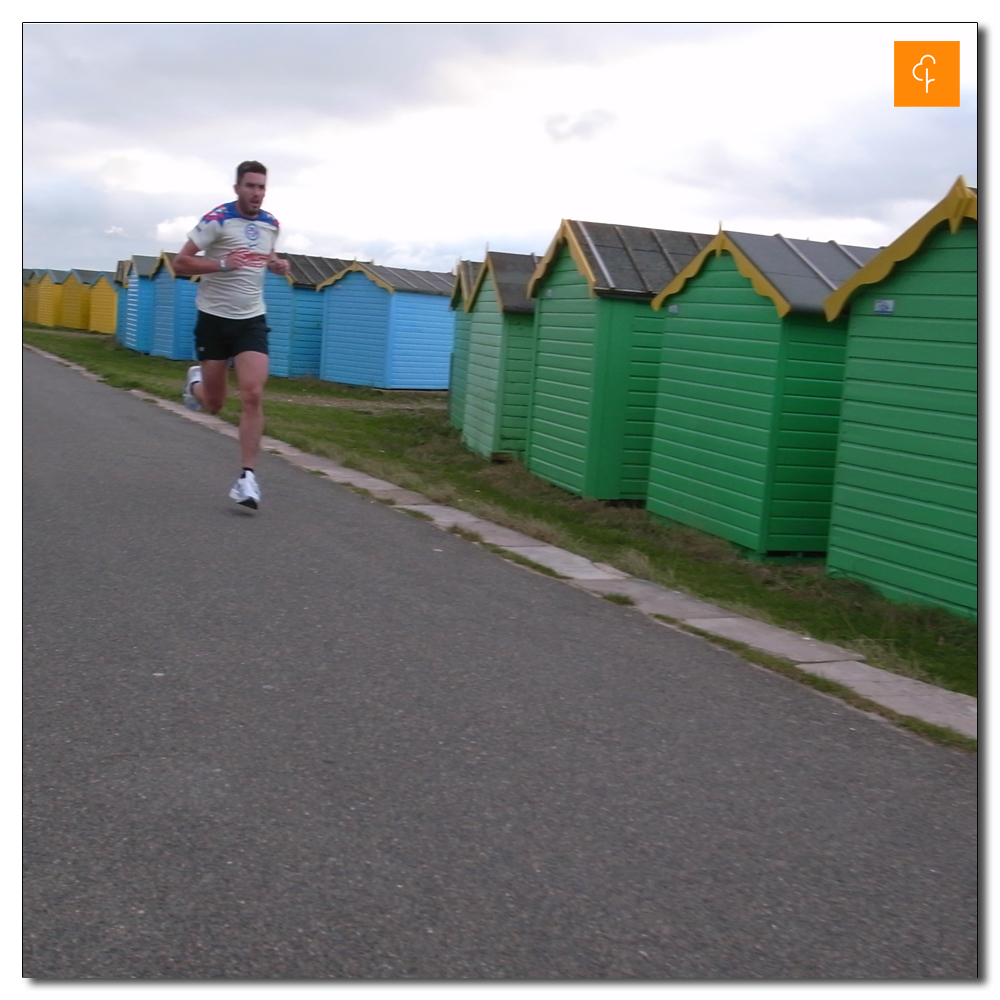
column 565, row 563
column 444, row 516
column 401, row 496
column 280, row 447
column 352, row 477
column 340, row 474
column 72, row 365
column 904, row 694
column 363, row 482
column 506, row 538
column 656, row 600
column 195, row 416
column 770, row 639
column 316, row 464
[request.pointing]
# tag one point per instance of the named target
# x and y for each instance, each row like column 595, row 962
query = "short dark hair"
column 250, row 167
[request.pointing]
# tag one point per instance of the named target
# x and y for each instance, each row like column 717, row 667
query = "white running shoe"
column 190, row 399
column 246, row 492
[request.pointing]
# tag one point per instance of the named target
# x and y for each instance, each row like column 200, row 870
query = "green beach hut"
column 466, row 272
column 501, row 331
column 904, row 516
column 748, row 401
column 596, row 354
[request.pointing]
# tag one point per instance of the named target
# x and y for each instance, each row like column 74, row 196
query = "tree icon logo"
column 917, row 66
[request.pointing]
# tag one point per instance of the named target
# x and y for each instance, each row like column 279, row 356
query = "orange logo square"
column 925, row 75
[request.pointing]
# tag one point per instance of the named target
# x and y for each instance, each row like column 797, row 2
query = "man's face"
column 250, row 190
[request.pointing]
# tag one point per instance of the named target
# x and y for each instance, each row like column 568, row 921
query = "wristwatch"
column 222, row 264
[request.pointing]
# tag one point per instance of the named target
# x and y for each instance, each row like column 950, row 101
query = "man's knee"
column 252, row 396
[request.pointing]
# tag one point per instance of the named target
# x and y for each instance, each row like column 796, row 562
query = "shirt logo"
column 925, row 75
column 252, row 232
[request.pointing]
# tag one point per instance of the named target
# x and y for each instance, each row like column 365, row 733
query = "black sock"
column 246, row 469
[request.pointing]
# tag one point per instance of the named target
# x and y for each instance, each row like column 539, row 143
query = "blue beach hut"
column 139, row 304
column 174, row 311
column 387, row 327
column 295, row 313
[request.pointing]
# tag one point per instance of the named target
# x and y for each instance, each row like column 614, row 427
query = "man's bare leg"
column 211, row 390
column 251, row 373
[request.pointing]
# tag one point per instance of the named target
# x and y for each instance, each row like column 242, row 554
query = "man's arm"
column 188, row 263
column 277, row 265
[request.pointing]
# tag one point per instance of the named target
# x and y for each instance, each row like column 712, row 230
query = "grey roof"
column 308, row 271
column 58, row 276
column 511, row 274
column 803, row 271
column 29, row 273
column 166, row 259
column 401, row 279
column 86, row 277
column 466, row 274
column 632, row 261
column 144, row 265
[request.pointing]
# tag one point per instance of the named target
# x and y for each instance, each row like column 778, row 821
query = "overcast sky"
column 415, row 144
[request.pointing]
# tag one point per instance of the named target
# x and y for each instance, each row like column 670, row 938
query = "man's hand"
column 276, row 265
column 244, row 258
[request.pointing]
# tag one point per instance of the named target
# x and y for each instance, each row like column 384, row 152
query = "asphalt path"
column 332, row 740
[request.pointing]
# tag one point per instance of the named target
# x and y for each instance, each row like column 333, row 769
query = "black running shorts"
column 219, row 339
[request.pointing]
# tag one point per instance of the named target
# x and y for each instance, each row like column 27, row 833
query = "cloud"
column 296, row 243
column 426, row 141
column 860, row 162
column 561, row 127
column 175, row 230
column 73, row 223
column 167, row 79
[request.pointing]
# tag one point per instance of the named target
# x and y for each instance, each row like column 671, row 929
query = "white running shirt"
column 235, row 294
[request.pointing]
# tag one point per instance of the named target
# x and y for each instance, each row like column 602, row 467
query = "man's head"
column 250, row 186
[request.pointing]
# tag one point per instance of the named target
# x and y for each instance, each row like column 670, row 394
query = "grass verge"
column 410, row 443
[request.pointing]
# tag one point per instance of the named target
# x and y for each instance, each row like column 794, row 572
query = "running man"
column 237, row 240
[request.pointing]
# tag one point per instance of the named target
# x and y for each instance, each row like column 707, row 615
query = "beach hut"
column 122, row 270
column 466, row 272
column 904, row 517
column 295, row 313
column 748, row 401
column 103, row 309
column 388, row 327
column 139, row 304
column 30, row 277
column 49, row 296
column 74, row 304
column 174, row 312
column 596, row 354
column 501, row 321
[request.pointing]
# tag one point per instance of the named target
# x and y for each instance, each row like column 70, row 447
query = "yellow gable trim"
column 356, row 266
column 163, row 261
column 567, row 236
column 462, row 288
column 720, row 244
column 958, row 204
column 470, row 300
